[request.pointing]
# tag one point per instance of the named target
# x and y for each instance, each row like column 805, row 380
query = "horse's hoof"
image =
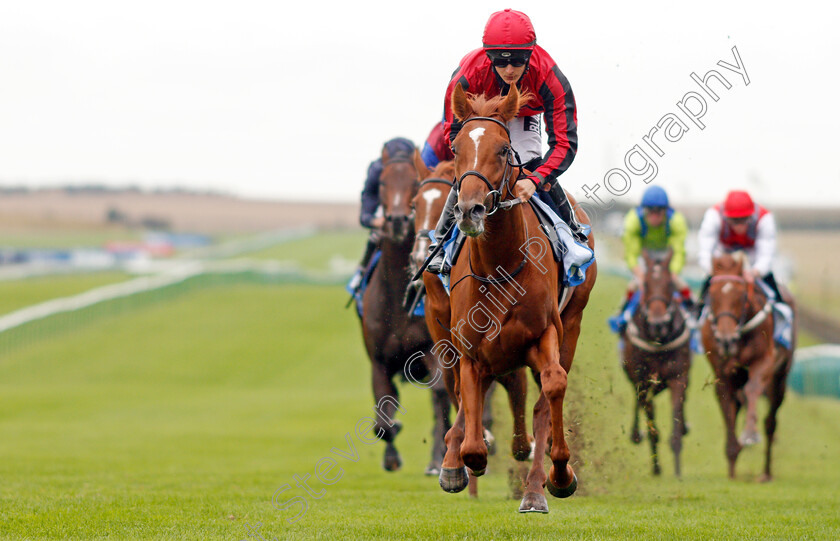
column 636, row 437
column 490, row 442
column 521, row 455
column 765, row 478
column 432, row 469
column 454, row 479
column 749, row 438
column 561, row 492
column 533, row 502
column 657, row 470
column 391, row 461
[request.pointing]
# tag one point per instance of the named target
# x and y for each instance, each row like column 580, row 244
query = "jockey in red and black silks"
column 510, row 55
column 553, row 99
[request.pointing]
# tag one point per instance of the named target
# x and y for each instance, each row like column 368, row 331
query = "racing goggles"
column 501, row 58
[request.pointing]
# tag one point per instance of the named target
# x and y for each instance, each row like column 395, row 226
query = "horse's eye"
column 453, row 149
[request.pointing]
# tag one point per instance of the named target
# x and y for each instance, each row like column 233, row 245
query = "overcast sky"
column 271, row 100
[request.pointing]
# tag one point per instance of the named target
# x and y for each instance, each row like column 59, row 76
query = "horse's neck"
column 504, row 242
column 757, row 302
column 394, row 264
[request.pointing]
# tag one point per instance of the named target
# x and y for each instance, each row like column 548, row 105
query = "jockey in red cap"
column 510, row 56
column 739, row 224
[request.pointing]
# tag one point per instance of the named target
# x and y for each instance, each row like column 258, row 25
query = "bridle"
column 433, row 180
column 634, row 334
column 743, row 327
column 496, row 203
column 389, row 217
column 495, row 195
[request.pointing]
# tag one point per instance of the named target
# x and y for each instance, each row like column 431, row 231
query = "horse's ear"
column 461, row 107
column 511, row 105
column 420, row 165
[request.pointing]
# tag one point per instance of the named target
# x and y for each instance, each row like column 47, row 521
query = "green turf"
column 180, row 419
column 16, row 294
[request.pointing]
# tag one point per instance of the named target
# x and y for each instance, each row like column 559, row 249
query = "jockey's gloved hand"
column 525, row 188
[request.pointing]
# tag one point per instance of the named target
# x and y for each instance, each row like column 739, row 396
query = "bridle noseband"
column 739, row 319
column 497, row 203
column 496, row 195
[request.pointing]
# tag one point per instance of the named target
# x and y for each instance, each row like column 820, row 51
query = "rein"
column 507, row 277
column 635, row 338
column 496, row 205
column 634, row 334
column 495, row 194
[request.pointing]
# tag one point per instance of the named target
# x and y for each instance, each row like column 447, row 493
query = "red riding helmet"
column 509, row 29
column 738, row 204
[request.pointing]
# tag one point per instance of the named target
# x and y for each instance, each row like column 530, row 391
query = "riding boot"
column 770, row 280
column 567, row 214
column 356, row 281
column 445, row 223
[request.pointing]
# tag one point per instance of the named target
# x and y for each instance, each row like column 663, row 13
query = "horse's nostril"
column 478, row 211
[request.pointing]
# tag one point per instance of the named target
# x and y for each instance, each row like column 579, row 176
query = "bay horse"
column 392, row 337
column 504, row 301
column 656, row 354
column 738, row 340
column 428, row 205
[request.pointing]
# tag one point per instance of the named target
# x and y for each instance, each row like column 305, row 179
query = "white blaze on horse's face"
column 726, row 288
column 430, row 196
column 475, row 135
column 657, row 271
column 397, row 198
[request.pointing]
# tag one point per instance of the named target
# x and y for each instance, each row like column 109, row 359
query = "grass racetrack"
column 181, row 419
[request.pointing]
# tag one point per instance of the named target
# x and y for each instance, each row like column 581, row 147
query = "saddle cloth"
column 574, row 256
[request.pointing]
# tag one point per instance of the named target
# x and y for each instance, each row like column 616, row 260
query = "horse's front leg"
column 386, row 396
column 474, row 384
column 545, row 357
column 729, row 408
column 759, row 377
column 453, row 473
column 677, row 387
column 533, row 501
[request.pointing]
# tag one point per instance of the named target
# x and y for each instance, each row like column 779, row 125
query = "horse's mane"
column 489, row 107
column 728, row 263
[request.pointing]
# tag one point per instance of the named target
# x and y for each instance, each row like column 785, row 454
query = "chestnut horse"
column 428, row 205
column 504, row 301
column 738, row 340
column 656, row 353
column 392, row 337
